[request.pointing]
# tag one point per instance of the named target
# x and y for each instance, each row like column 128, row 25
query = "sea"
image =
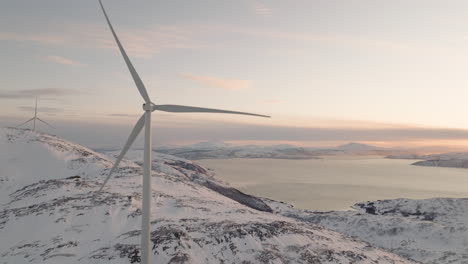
column 338, row 182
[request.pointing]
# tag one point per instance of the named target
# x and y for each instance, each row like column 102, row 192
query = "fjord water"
column 336, row 183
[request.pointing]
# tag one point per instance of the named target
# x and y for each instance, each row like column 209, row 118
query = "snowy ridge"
column 50, row 213
column 23, row 162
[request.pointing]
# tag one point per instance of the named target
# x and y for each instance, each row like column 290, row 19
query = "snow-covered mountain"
column 50, row 212
column 431, row 231
column 220, row 150
column 358, row 147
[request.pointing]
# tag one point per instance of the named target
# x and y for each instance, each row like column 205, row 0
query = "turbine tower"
column 34, row 119
column 145, row 121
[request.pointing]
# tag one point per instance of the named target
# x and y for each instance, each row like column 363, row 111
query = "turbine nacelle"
column 149, row 107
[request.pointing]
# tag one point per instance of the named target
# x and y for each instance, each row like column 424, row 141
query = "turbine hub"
column 148, row 107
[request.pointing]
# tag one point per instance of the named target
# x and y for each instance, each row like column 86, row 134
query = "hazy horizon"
column 98, row 135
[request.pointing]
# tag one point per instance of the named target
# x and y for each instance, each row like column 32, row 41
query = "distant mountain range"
column 221, row 150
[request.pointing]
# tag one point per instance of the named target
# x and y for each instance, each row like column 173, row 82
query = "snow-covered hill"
column 451, row 163
column 431, row 231
column 358, row 147
column 219, row 150
column 50, row 213
column 451, row 160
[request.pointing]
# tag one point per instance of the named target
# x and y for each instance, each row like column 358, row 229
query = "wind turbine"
column 34, row 119
column 145, row 121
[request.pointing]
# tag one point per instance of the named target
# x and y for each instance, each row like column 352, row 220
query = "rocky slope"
column 50, row 213
column 431, row 231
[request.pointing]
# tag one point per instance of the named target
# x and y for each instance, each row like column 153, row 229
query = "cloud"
column 44, row 92
column 228, row 84
column 124, row 115
column 41, row 38
column 260, row 8
column 196, row 130
column 301, row 37
column 231, row 131
column 141, row 43
column 62, row 60
column 146, row 43
column 41, row 109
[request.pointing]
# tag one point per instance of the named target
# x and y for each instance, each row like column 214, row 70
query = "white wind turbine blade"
column 25, row 122
column 136, row 77
column 192, row 109
column 44, row 122
column 136, row 130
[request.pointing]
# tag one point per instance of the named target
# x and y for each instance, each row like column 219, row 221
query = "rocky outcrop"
column 431, row 231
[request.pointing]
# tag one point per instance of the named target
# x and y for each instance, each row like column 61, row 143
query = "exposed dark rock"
column 238, row 196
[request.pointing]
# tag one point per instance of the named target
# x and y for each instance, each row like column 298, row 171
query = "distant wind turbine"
column 34, row 119
column 145, row 121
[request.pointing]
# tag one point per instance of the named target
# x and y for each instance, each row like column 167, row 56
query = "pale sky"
column 386, row 72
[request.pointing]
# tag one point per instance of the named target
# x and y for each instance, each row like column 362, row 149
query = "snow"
column 50, row 212
column 430, row 231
